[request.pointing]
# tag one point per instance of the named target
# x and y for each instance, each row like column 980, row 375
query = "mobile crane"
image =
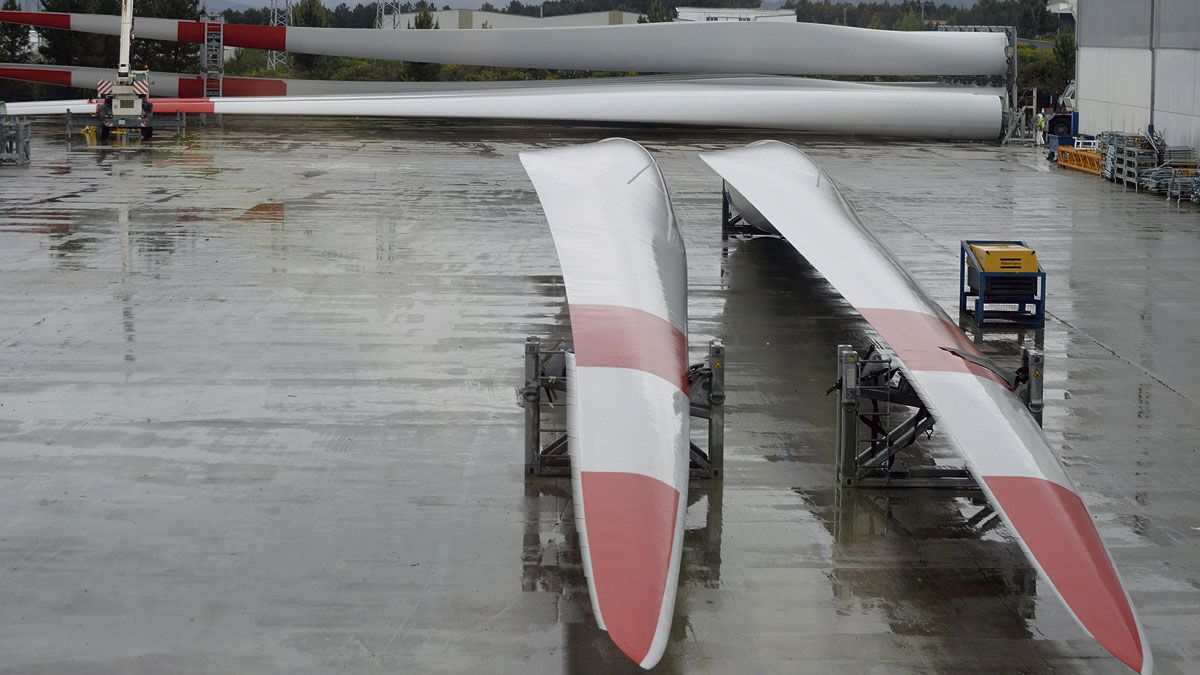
column 125, row 103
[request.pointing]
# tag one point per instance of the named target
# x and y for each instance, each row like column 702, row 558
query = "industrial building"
column 465, row 18
column 733, row 14
column 1138, row 65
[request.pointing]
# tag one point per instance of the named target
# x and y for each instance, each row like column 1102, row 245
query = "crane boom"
column 126, row 38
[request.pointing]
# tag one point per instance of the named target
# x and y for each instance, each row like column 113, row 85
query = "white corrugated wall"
column 1139, row 63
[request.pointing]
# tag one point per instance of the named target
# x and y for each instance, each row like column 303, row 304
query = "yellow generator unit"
column 1000, row 282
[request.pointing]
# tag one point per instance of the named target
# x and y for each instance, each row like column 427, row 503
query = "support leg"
column 533, row 404
column 847, row 416
column 1034, row 363
column 716, row 416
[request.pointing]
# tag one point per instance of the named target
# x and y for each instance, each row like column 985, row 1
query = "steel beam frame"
column 212, row 55
column 732, row 222
column 546, row 385
column 14, row 140
column 281, row 15
column 874, row 378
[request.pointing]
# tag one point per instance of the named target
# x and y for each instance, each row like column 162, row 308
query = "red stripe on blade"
column 252, row 86
column 630, row 520
column 190, row 31
column 41, row 19
column 918, row 338
column 238, row 35
column 60, row 77
column 183, row 105
column 191, row 87
column 1058, row 530
column 256, row 37
column 611, row 336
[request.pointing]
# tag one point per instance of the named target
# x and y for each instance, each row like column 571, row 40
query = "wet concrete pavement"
column 257, row 413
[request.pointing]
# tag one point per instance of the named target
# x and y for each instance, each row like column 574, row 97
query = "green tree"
column 15, row 48
column 170, row 57
column 14, row 38
column 877, row 21
column 657, row 13
column 64, row 48
column 1049, row 70
column 1036, row 69
column 310, row 14
column 907, row 22
column 425, row 21
column 1063, row 58
column 100, row 51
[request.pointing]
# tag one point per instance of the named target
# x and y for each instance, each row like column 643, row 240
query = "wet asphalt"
column 258, row 413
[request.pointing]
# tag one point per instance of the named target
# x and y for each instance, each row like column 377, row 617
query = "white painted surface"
column 700, row 14
column 35, row 108
column 711, row 47
column 618, row 244
column 1113, row 89
column 167, row 84
column 904, row 113
column 994, row 432
column 914, row 114
column 613, row 227
column 612, row 437
column 708, row 47
column 453, row 19
column 1177, row 95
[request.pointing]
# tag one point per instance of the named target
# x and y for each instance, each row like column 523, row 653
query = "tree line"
column 1047, row 69
column 1028, row 16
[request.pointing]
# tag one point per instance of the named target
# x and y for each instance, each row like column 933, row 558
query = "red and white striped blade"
column 625, row 271
column 1004, row 447
column 179, row 85
column 785, row 48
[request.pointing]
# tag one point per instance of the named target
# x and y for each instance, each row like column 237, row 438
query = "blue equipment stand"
column 978, row 289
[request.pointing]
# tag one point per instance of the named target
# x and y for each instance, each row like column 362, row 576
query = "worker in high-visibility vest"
column 1039, row 127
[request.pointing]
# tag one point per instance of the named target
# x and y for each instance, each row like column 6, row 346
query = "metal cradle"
column 871, row 387
column 544, row 400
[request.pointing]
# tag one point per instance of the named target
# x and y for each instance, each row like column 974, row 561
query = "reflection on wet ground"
column 256, row 413
column 899, row 553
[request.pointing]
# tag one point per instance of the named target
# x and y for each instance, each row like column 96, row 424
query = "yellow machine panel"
column 1005, row 257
